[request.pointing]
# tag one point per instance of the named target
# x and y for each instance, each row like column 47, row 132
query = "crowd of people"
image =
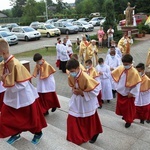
column 93, row 81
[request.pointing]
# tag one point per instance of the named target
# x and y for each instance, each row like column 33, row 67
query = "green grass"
column 50, row 52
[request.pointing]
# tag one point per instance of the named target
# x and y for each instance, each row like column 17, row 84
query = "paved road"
column 32, row 45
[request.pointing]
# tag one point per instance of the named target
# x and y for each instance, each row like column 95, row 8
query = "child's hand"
column 3, row 76
column 78, row 92
column 100, row 73
column 130, row 95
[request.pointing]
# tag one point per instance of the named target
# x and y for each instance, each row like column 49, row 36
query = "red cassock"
column 99, row 97
column 1, row 100
column 149, row 113
column 126, row 108
column 81, row 130
column 48, row 100
column 14, row 121
column 142, row 112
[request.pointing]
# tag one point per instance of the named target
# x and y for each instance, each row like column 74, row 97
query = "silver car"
column 26, row 33
column 84, row 26
column 9, row 37
column 66, row 27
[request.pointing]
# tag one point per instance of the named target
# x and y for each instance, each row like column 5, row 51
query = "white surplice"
column 63, row 53
column 46, row 85
column 58, row 46
column 84, row 106
column 105, row 82
column 123, row 90
column 69, row 47
column 2, row 89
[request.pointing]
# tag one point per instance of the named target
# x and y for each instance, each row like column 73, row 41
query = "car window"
column 15, row 30
column 5, row 34
column 49, row 26
column 28, row 29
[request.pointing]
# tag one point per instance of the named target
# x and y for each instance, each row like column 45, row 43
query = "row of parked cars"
column 53, row 27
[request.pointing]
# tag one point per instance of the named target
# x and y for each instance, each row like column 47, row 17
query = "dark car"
column 66, row 27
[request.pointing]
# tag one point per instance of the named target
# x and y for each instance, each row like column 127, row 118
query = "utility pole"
column 46, row 12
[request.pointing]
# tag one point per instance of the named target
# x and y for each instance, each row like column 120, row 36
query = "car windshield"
column 84, row 23
column 94, row 19
column 49, row 26
column 27, row 29
column 68, row 24
column 5, row 34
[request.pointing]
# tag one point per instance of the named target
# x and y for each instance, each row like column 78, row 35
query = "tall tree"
column 110, row 15
column 30, row 11
column 18, row 6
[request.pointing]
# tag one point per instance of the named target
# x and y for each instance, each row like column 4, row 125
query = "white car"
column 102, row 21
column 9, row 37
column 84, row 26
column 26, row 33
column 96, row 21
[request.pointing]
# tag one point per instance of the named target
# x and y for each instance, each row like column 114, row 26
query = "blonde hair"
column 4, row 45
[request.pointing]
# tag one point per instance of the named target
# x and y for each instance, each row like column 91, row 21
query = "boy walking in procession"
column 127, row 84
column 45, row 84
column 83, row 122
column 21, row 110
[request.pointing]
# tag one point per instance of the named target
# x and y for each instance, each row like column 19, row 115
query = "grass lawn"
column 52, row 51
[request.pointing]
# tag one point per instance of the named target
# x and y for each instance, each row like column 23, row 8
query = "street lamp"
column 46, row 12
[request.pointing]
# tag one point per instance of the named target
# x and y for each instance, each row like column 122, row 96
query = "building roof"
column 2, row 15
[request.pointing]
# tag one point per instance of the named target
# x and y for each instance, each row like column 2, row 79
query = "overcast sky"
column 5, row 4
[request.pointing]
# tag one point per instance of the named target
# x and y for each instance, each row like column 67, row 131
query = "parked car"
column 71, row 20
column 9, row 37
column 84, row 19
column 66, row 27
column 138, row 17
column 48, row 30
column 96, row 21
column 51, row 21
column 4, row 29
column 102, row 21
column 9, row 26
column 35, row 25
column 26, row 33
column 84, row 26
column 61, row 20
column 96, row 14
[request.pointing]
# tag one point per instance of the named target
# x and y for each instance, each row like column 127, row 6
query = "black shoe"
column 100, row 107
column 94, row 138
column 148, row 121
column 142, row 121
column 114, row 93
column 122, row 118
column 102, row 102
column 127, row 125
column 47, row 113
column 53, row 109
column 108, row 101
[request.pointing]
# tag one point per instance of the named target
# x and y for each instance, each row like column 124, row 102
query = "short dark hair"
column 72, row 64
column 75, row 56
column 127, row 58
column 112, row 47
column 89, row 61
column 37, row 57
column 141, row 66
column 100, row 60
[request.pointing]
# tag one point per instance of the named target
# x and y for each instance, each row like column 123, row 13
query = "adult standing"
column 91, row 53
column 100, row 36
column 64, row 57
column 83, row 48
column 110, row 33
column 69, row 45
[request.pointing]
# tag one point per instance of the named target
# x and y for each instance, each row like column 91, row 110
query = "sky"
column 5, row 4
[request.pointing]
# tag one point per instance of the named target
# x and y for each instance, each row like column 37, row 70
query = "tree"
column 18, row 6
column 110, row 15
column 30, row 12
